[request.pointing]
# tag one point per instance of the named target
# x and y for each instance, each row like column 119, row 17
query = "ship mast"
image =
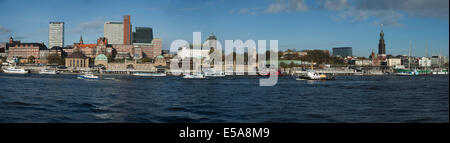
column 409, row 55
column 426, row 57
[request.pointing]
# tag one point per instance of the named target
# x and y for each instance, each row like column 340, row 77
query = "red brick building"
column 24, row 50
column 127, row 30
column 91, row 50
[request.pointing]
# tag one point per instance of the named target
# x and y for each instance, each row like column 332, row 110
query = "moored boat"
column 14, row 70
column 194, row 76
column 46, row 71
column 150, row 74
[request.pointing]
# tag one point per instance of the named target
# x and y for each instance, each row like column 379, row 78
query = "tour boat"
column 46, row 71
column 15, row 70
column 87, row 76
column 214, row 74
column 315, row 76
column 149, row 74
column 193, row 76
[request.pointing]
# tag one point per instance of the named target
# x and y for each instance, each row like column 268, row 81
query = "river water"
column 63, row 98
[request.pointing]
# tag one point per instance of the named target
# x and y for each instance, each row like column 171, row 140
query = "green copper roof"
column 101, row 57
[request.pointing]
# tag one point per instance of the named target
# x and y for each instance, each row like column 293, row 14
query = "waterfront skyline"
column 297, row 24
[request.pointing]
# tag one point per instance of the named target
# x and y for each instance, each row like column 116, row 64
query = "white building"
column 425, row 62
column 363, row 62
column 56, row 34
column 394, row 62
column 437, row 61
column 186, row 52
column 113, row 31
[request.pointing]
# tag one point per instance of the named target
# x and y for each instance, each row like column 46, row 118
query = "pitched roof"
column 77, row 54
column 40, row 45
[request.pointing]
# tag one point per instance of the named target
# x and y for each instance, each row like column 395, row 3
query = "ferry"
column 87, row 76
column 46, row 71
column 402, row 72
column 14, row 70
column 150, row 74
column 315, row 76
column 194, row 76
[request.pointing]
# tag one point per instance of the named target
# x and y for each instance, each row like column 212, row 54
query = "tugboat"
column 312, row 75
column 315, row 76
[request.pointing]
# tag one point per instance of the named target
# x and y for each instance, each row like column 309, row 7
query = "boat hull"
column 87, row 77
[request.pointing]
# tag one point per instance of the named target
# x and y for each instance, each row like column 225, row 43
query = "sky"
column 296, row 24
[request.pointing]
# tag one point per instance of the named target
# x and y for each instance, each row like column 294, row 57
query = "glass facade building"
column 342, row 51
column 143, row 35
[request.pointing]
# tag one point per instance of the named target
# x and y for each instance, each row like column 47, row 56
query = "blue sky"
column 297, row 24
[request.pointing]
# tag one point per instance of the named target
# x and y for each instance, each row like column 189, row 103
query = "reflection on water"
column 63, row 98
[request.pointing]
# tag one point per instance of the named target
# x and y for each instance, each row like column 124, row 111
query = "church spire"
column 81, row 39
column 381, row 44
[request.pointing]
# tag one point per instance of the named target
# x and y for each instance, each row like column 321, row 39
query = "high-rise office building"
column 113, row 31
column 56, row 34
column 127, row 30
column 143, row 35
column 342, row 51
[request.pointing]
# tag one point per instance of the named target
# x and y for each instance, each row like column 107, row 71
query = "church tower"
column 81, row 39
column 381, row 44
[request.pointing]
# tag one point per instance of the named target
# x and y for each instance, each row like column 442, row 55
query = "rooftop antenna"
column 426, row 50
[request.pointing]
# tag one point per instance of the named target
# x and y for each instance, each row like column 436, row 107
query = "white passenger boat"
column 213, row 73
column 194, row 76
column 149, row 74
column 14, row 70
column 87, row 76
column 46, row 71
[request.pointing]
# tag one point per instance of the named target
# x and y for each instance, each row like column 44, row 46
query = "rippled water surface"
column 63, row 98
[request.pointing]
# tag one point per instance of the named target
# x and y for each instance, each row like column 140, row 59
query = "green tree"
column 283, row 65
column 146, row 60
column 291, row 65
column 55, row 59
column 3, row 59
column 31, row 59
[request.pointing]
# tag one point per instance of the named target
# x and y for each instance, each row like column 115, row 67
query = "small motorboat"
column 87, row 76
column 194, row 76
column 46, row 71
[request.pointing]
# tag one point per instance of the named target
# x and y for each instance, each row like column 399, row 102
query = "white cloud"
column 333, row 4
column 89, row 26
column 251, row 11
column 4, row 30
column 287, row 6
column 276, row 7
column 388, row 12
